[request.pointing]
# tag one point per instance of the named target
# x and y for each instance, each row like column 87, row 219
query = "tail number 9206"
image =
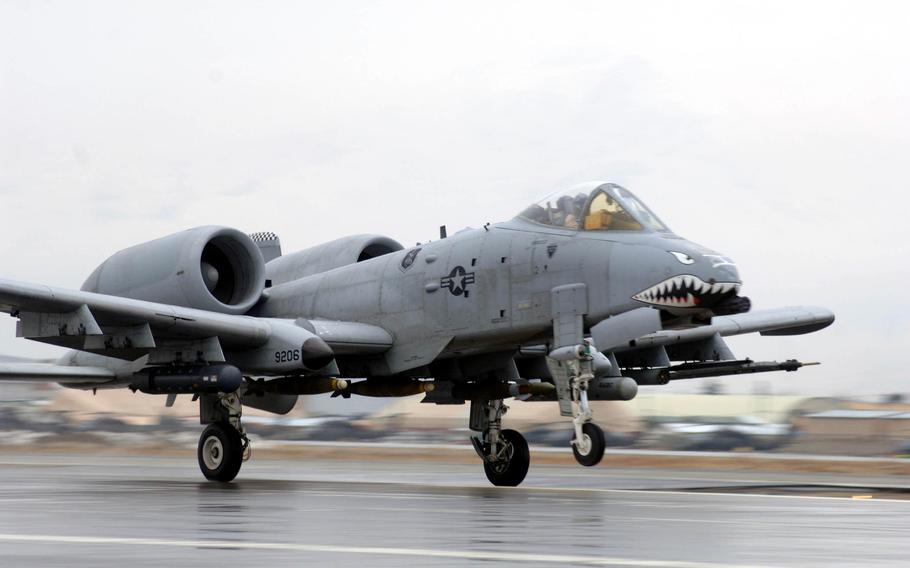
column 287, row 356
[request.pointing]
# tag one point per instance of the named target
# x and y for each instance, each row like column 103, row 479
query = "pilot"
column 578, row 210
column 567, row 213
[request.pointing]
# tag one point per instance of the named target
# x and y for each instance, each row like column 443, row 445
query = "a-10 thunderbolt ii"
column 583, row 296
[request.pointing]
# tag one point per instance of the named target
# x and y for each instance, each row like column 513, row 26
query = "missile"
column 384, row 388
column 302, row 385
column 495, row 391
column 210, row 379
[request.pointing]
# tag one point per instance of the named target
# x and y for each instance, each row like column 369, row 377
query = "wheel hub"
column 212, row 452
column 500, row 461
column 583, row 445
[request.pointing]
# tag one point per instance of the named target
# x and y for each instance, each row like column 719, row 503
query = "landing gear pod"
column 212, row 379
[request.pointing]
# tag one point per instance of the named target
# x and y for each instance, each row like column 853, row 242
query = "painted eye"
column 682, row 257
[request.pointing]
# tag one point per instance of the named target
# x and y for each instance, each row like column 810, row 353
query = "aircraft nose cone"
column 727, row 274
column 695, row 278
column 723, row 269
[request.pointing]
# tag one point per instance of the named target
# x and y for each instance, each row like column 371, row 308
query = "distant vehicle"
column 583, row 296
column 719, row 433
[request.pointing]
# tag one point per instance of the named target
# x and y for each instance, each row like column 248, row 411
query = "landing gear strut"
column 504, row 453
column 572, row 369
column 223, row 445
column 589, row 443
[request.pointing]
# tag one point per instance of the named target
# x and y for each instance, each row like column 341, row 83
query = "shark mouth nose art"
column 686, row 291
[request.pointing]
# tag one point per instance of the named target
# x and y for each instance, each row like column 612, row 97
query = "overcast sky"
column 778, row 134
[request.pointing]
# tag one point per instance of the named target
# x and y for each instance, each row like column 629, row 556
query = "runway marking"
column 419, row 552
column 706, row 493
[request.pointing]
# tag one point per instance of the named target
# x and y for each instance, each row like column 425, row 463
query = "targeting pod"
column 612, row 388
column 210, row 379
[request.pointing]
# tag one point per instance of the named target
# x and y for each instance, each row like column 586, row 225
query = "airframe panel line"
column 425, row 552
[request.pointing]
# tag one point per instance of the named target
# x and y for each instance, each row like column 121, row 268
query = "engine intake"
column 210, row 268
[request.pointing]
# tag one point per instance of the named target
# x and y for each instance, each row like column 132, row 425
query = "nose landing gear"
column 589, row 443
column 572, row 370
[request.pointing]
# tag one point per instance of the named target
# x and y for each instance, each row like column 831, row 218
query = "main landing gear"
column 504, row 453
column 223, row 445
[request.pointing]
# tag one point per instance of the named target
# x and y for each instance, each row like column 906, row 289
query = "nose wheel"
column 589, row 448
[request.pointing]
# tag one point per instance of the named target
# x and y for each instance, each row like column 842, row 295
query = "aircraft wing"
column 128, row 329
column 796, row 320
column 43, row 372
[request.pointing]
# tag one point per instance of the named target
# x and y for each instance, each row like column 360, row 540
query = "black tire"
column 512, row 471
column 220, row 452
column 596, row 443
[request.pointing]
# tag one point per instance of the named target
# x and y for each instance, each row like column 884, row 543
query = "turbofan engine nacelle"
column 330, row 255
column 218, row 269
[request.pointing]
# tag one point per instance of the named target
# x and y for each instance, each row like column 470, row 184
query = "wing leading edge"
column 796, row 320
column 128, row 329
column 703, row 352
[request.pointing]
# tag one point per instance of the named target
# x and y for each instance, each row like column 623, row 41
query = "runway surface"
column 128, row 511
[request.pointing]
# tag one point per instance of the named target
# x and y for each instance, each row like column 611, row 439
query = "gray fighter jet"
column 583, row 296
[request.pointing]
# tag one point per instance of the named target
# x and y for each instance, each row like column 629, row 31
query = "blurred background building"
column 48, row 414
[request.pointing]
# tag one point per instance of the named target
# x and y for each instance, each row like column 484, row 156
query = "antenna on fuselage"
column 442, row 232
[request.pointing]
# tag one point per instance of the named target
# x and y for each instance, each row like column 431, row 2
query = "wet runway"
column 130, row 511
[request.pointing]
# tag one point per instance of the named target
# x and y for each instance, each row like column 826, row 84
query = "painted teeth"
column 683, row 291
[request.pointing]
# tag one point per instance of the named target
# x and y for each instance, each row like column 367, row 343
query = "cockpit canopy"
column 605, row 207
